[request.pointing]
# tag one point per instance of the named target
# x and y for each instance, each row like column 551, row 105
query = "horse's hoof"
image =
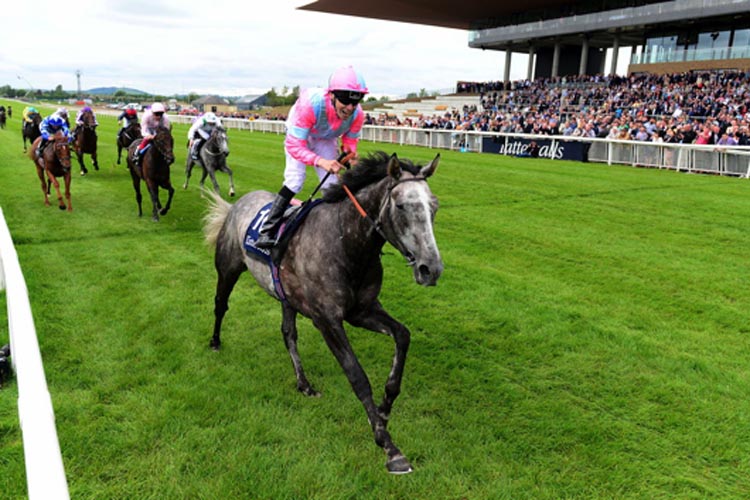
column 399, row 465
column 96, row 166
column 231, row 193
column 163, row 211
column 62, row 207
column 83, row 172
column 309, row 392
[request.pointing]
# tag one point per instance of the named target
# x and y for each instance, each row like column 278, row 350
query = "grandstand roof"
column 444, row 13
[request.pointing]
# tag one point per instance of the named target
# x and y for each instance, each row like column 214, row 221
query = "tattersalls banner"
column 548, row 148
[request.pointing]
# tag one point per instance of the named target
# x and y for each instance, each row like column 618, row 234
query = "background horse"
column 331, row 271
column 130, row 134
column 54, row 163
column 213, row 157
column 153, row 170
column 86, row 140
column 30, row 130
column 2, row 117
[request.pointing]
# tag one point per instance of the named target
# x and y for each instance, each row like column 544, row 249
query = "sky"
column 228, row 48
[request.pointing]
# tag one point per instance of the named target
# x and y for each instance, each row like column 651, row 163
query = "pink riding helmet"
column 346, row 78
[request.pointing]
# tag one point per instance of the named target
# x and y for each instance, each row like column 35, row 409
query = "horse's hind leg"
column 45, row 186
column 289, row 330
column 229, row 268
column 188, row 170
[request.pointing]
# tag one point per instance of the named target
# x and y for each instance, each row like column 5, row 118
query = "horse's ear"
column 394, row 167
column 429, row 169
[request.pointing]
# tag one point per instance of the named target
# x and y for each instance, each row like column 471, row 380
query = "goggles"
column 347, row 97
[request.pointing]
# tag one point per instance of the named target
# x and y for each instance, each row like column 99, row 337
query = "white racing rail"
column 45, row 474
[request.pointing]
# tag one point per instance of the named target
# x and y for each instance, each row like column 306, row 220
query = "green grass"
column 589, row 338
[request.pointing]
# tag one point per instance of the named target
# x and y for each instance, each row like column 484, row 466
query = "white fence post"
column 45, row 474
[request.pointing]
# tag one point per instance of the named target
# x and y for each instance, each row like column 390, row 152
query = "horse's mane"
column 368, row 171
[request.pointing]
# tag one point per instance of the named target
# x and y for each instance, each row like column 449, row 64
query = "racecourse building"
column 565, row 38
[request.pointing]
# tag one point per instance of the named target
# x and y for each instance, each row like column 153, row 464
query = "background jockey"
column 200, row 131
column 316, row 121
column 81, row 112
column 63, row 113
column 49, row 127
column 153, row 118
column 27, row 111
column 129, row 117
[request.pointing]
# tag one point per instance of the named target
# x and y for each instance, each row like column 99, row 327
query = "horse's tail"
column 218, row 209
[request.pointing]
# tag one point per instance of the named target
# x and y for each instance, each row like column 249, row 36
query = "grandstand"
column 566, row 38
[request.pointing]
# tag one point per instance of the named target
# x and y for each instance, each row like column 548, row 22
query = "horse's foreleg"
column 229, row 269
column 170, row 190
column 84, row 170
column 231, row 179
column 289, row 330
column 94, row 160
column 53, row 180
column 378, row 320
column 335, row 337
column 119, row 153
column 153, row 191
column 212, row 174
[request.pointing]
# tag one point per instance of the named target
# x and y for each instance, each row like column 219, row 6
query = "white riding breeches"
column 295, row 171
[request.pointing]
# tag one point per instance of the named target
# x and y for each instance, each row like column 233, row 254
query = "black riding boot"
column 267, row 235
column 197, row 149
column 40, row 149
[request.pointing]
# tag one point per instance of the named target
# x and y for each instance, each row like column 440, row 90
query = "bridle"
column 377, row 223
column 213, row 139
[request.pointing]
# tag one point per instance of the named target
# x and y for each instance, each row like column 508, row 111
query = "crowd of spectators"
column 701, row 107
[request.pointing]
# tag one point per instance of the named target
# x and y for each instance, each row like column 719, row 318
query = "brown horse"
column 54, row 163
column 153, row 169
column 85, row 140
column 126, row 138
column 30, row 130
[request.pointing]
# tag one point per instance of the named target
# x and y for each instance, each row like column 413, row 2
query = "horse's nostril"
column 424, row 270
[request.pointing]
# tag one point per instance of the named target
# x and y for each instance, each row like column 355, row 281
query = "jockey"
column 49, row 127
column 316, row 121
column 81, row 112
column 63, row 113
column 128, row 117
column 27, row 111
column 153, row 118
column 200, row 131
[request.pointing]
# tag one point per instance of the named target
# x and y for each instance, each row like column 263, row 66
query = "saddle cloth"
column 292, row 220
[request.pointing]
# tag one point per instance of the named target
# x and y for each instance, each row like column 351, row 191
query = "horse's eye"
column 399, row 206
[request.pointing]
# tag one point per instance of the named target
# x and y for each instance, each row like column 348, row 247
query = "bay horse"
column 153, row 170
column 126, row 138
column 85, row 140
column 331, row 270
column 30, row 130
column 213, row 158
column 54, row 163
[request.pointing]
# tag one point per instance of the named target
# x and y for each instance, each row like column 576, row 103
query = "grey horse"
column 331, row 270
column 213, row 158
